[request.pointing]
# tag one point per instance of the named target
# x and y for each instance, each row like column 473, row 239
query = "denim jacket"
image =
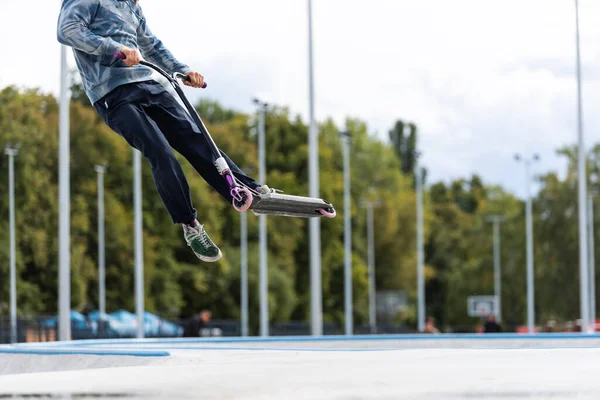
column 97, row 30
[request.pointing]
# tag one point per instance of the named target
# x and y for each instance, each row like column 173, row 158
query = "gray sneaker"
column 201, row 244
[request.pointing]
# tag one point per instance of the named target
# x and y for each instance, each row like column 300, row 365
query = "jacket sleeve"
column 73, row 28
column 152, row 49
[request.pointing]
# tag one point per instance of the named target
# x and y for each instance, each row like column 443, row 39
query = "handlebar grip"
column 187, row 78
column 121, row 55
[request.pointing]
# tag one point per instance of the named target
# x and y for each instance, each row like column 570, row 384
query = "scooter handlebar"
column 122, row 56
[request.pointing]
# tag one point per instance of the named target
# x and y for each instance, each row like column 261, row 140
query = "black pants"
column 151, row 120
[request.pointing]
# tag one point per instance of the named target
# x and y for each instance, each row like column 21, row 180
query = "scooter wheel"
column 329, row 213
column 242, row 198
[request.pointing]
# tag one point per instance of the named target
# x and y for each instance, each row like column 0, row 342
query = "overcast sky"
column 482, row 79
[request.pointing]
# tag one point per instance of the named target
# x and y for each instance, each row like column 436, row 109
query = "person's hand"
column 196, row 80
column 132, row 56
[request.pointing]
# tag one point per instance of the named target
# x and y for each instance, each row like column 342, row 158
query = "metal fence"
column 31, row 329
column 43, row 329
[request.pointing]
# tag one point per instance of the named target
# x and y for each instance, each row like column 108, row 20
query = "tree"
column 458, row 239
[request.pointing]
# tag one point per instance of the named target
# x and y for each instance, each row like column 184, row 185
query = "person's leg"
column 131, row 121
column 185, row 137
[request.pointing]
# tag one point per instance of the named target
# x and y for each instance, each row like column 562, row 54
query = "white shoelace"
column 194, row 233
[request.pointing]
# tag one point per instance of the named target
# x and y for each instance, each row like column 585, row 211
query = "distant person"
column 569, row 326
column 197, row 326
column 550, row 326
column 430, row 326
column 491, row 326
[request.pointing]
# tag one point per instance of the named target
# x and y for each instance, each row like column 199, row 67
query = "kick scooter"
column 245, row 198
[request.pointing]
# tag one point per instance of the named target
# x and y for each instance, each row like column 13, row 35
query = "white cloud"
column 482, row 79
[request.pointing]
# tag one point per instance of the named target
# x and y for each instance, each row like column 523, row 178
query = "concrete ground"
column 387, row 368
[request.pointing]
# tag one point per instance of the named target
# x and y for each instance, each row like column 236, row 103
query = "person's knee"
column 160, row 155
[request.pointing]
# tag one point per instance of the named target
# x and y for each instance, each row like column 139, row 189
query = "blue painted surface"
column 242, row 348
column 358, row 349
column 335, row 338
column 315, row 339
column 97, row 352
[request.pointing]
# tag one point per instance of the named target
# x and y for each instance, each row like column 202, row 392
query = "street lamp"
column 592, row 260
column 138, row 239
column 582, row 178
column 244, row 272
column 11, row 152
column 101, row 170
column 420, row 247
column 529, row 231
column 244, row 269
column 262, row 223
column 64, row 219
column 346, row 139
column 370, row 205
column 496, row 219
column 316, row 305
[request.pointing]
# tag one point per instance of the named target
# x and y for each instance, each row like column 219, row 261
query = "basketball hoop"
column 481, row 306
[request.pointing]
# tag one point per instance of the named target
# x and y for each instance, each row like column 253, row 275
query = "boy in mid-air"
column 139, row 108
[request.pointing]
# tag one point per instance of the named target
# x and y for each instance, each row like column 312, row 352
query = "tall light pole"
column 582, row 177
column 64, row 219
column 420, row 249
column 496, row 220
column 370, row 205
column 529, row 232
column 244, row 272
column 138, row 240
column 101, row 170
column 11, row 152
column 316, row 306
column 262, row 223
column 346, row 139
column 592, row 262
column 244, row 269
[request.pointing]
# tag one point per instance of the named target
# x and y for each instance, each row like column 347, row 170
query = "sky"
column 482, row 79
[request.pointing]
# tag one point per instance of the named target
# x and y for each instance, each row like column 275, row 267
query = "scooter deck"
column 289, row 205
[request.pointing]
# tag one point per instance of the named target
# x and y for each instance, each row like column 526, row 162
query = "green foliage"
column 458, row 238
